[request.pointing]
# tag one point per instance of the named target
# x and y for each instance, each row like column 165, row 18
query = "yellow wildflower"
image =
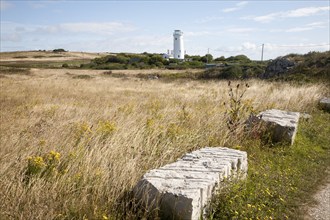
column 53, row 155
column 38, row 161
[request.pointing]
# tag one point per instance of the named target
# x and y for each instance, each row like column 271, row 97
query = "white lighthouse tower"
column 178, row 52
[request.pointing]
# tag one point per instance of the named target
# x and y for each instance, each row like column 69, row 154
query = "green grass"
column 281, row 178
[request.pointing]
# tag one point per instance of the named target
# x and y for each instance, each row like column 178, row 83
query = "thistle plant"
column 237, row 107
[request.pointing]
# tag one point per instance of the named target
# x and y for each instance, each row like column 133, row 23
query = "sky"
column 224, row 28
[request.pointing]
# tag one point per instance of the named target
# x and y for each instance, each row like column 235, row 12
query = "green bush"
column 239, row 59
column 207, row 58
column 59, row 50
column 232, row 72
column 222, row 58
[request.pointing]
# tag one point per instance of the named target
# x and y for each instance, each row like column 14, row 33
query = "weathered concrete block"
column 181, row 190
column 325, row 104
column 281, row 125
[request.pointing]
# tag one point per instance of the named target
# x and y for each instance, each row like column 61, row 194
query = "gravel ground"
column 321, row 211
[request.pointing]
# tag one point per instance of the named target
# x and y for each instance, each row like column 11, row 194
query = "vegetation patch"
column 56, row 56
column 13, row 70
column 39, row 56
column 82, row 76
column 20, row 57
column 310, row 67
column 59, row 50
column 281, row 178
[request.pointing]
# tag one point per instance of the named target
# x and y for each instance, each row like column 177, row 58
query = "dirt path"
column 321, row 211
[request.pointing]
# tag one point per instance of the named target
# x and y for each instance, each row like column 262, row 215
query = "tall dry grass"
column 108, row 133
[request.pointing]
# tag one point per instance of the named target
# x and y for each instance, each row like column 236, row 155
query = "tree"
column 222, row 58
column 207, row 58
column 239, row 59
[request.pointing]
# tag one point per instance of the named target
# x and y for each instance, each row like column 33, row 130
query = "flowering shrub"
column 41, row 166
column 106, row 128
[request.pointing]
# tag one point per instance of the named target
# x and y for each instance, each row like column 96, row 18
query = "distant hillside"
column 41, row 55
column 56, row 58
column 311, row 67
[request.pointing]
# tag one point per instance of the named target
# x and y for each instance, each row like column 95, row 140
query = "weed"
column 237, row 109
column 107, row 73
column 82, row 77
column 106, row 128
column 42, row 166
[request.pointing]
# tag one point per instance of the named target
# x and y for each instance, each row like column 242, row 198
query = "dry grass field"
column 46, row 59
column 74, row 142
column 46, row 56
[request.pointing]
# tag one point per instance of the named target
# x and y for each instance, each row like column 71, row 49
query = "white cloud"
column 249, row 46
column 133, row 44
column 5, row 5
column 98, row 28
column 320, row 24
column 306, row 27
column 238, row 6
column 270, row 46
column 62, row 34
column 246, row 46
column 103, row 28
column 300, row 12
column 42, row 4
column 208, row 19
column 240, row 30
column 303, row 12
column 299, row 29
column 266, row 18
column 197, row 33
column 230, row 9
column 12, row 37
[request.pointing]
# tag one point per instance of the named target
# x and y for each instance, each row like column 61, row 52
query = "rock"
column 281, row 125
column 277, row 67
column 325, row 104
column 182, row 190
column 305, row 116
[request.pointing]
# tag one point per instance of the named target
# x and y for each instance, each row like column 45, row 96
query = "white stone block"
column 281, row 125
column 325, row 104
column 181, row 190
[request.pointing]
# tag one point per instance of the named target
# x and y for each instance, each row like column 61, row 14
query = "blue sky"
column 226, row 28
